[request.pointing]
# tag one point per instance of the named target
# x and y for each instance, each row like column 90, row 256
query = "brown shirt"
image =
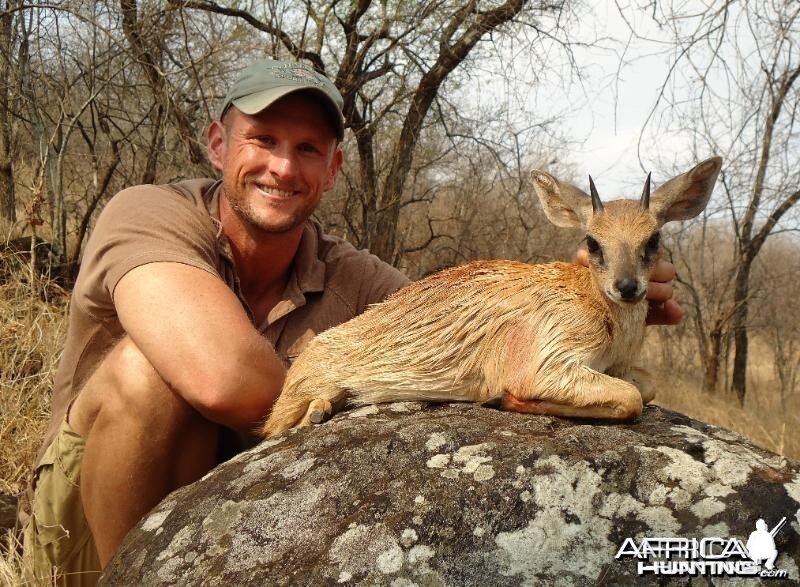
column 330, row 283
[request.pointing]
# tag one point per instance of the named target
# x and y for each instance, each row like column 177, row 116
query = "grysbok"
column 556, row 338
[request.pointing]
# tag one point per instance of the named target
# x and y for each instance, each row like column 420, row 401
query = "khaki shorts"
column 57, row 541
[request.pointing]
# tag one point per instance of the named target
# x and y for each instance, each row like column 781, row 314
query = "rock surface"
column 461, row 495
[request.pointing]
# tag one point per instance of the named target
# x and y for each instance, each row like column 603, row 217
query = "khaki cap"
column 264, row 81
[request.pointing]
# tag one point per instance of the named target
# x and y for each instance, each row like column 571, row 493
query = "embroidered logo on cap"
column 298, row 73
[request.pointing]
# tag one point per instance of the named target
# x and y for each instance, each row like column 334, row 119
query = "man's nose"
column 283, row 163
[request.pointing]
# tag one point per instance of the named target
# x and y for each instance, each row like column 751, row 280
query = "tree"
column 705, row 264
column 118, row 92
column 12, row 49
column 777, row 314
column 733, row 89
column 100, row 98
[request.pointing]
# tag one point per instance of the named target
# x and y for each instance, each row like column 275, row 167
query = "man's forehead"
column 303, row 112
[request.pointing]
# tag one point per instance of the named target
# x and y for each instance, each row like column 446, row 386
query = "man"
column 192, row 300
column 210, row 288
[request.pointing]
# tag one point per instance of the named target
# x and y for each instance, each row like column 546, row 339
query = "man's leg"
column 142, row 441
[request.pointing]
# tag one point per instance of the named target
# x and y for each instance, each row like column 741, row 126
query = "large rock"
column 461, row 495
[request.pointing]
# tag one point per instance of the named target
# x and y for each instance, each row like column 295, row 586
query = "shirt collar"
column 211, row 200
column 308, row 267
column 308, row 270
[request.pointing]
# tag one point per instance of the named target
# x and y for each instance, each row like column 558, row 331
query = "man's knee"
column 127, row 386
column 128, row 369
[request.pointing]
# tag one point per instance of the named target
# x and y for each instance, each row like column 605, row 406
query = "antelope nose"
column 627, row 288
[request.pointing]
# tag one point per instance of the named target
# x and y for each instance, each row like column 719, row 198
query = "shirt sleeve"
column 379, row 281
column 141, row 225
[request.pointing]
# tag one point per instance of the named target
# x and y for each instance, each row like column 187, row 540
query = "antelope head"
column 623, row 235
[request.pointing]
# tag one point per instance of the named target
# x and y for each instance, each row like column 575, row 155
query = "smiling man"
column 192, row 300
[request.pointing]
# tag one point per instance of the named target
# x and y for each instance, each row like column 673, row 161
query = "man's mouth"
column 274, row 191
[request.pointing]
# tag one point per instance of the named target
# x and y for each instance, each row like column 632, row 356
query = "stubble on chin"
column 249, row 217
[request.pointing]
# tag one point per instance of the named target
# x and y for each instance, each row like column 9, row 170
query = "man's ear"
column 336, row 165
column 686, row 195
column 563, row 204
column 216, row 137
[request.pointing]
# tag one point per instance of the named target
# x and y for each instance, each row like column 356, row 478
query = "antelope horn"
column 645, row 201
column 597, row 204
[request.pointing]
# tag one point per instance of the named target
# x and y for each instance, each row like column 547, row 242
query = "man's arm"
column 193, row 330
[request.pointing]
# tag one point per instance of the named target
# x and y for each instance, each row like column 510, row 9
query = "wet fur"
column 546, row 338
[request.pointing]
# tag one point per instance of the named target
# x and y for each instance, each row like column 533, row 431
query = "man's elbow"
column 233, row 400
column 244, row 418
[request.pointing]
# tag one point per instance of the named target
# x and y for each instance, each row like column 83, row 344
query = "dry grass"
column 762, row 419
column 32, row 329
column 11, row 563
column 14, row 570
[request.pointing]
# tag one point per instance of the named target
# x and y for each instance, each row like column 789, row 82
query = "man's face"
column 276, row 164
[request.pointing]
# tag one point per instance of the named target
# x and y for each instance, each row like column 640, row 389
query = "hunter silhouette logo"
column 709, row 557
column 761, row 544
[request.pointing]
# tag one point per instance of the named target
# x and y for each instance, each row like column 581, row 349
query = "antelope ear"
column 563, row 204
column 686, row 195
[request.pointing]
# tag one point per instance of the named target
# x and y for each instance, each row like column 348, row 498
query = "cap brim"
column 255, row 103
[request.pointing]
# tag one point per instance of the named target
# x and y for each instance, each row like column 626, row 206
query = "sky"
column 604, row 112
column 612, row 119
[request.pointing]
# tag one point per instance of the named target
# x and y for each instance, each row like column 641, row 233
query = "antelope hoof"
column 648, row 395
column 319, row 411
column 644, row 383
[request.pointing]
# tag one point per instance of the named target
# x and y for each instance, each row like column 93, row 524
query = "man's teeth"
column 274, row 191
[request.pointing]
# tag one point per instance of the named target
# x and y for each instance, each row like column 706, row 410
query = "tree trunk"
column 368, row 174
column 740, row 340
column 72, row 264
column 151, row 167
column 713, row 360
column 54, row 166
column 8, row 199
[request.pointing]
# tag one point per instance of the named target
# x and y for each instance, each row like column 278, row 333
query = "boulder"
column 461, row 494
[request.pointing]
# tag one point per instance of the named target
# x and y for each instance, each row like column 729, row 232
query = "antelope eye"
column 651, row 247
column 592, row 244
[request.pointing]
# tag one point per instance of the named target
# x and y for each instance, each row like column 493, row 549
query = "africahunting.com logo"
column 708, row 557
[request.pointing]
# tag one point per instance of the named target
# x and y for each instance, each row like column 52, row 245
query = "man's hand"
column 663, row 308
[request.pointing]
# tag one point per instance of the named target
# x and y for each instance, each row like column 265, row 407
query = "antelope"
column 557, row 338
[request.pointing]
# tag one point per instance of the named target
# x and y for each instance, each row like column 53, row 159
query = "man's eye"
column 592, row 245
column 308, row 148
column 266, row 140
